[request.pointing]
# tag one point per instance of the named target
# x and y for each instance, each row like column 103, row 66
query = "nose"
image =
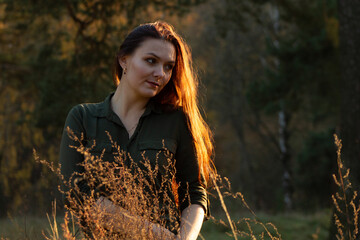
column 159, row 72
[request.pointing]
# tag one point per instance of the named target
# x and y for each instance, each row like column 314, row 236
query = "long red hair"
column 182, row 89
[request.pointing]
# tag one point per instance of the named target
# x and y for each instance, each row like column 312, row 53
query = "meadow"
column 295, row 226
column 226, row 221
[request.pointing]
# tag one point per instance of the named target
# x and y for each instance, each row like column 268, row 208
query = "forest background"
column 278, row 79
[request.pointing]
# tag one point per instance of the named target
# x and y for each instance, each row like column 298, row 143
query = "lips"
column 153, row 84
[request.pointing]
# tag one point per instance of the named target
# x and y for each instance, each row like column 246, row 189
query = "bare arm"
column 191, row 221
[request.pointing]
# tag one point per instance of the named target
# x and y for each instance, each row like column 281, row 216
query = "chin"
column 149, row 94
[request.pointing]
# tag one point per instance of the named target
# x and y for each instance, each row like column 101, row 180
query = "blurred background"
column 278, row 79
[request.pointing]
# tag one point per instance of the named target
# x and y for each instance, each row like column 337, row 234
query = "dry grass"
column 347, row 213
column 140, row 190
column 268, row 230
column 133, row 187
column 144, row 191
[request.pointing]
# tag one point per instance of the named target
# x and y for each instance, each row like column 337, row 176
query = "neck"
column 125, row 104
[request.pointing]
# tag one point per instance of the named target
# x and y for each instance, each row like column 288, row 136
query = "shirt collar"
column 103, row 109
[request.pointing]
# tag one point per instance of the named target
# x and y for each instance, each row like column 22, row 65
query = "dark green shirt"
column 158, row 128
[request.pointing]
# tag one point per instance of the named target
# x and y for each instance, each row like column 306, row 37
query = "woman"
column 153, row 108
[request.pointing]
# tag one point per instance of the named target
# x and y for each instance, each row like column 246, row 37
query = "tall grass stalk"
column 223, row 190
column 54, row 234
column 225, row 208
column 344, row 201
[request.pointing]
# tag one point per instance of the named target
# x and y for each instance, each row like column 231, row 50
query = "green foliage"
column 55, row 54
column 313, row 166
column 264, row 64
column 306, row 67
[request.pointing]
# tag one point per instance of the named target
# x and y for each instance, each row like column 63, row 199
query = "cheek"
column 141, row 68
column 167, row 79
column 169, row 75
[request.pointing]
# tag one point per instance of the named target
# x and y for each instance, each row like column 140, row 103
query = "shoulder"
column 84, row 114
column 168, row 109
column 88, row 109
column 171, row 122
column 174, row 114
column 82, row 118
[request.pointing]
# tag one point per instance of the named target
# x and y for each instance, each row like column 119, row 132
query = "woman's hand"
column 106, row 205
column 120, row 220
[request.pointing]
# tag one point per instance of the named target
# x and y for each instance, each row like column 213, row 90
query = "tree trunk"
column 285, row 156
column 285, row 159
column 349, row 17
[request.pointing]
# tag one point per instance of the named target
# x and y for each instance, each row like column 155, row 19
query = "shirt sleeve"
column 191, row 190
column 70, row 158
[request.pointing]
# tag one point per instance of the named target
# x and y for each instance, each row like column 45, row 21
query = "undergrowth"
column 132, row 186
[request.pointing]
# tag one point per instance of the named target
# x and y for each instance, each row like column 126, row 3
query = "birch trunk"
column 285, row 159
column 283, row 118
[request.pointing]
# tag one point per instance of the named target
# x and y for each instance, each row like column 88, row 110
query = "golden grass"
column 268, row 230
column 144, row 191
column 347, row 213
column 125, row 184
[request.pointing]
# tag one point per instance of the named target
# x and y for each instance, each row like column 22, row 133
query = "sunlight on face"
column 149, row 68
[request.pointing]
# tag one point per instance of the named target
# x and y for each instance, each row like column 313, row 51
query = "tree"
column 299, row 80
column 55, row 54
column 349, row 17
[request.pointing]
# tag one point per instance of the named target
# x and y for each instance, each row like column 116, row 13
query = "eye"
column 150, row 60
column 169, row 67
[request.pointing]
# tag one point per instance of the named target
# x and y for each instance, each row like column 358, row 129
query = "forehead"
column 161, row 48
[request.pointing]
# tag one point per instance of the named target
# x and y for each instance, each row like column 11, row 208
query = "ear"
column 122, row 61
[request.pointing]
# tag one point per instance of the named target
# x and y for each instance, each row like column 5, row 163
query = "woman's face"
column 149, row 68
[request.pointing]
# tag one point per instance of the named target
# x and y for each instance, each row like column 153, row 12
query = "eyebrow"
column 153, row 54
